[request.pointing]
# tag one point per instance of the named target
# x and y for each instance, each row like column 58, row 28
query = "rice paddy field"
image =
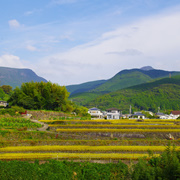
column 86, row 140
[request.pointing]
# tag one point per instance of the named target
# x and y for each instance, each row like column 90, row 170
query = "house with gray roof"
column 138, row 115
column 95, row 113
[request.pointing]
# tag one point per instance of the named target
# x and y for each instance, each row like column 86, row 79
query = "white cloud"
column 127, row 52
column 9, row 60
column 31, row 48
column 14, row 23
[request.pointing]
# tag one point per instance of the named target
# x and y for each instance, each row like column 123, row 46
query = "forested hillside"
column 163, row 93
column 123, row 79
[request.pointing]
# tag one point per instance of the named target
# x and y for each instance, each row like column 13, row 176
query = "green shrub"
column 62, row 170
column 142, row 171
column 165, row 167
column 14, row 110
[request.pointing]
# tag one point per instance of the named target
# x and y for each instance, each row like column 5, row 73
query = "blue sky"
column 75, row 41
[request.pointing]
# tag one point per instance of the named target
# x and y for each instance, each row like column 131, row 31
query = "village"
column 114, row 113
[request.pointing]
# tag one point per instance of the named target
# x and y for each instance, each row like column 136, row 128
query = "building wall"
column 113, row 116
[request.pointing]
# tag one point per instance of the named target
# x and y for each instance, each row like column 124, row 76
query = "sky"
column 76, row 41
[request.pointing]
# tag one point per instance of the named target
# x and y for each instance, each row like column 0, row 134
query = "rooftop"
column 175, row 112
column 94, row 109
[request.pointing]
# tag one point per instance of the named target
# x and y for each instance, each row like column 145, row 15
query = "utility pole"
column 130, row 109
column 170, row 75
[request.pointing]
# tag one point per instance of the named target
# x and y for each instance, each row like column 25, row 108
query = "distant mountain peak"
column 15, row 76
column 146, row 68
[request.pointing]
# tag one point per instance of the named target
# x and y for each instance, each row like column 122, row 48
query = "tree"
column 2, row 94
column 6, row 88
column 41, row 95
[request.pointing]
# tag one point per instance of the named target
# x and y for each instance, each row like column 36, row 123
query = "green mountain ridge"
column 163, row 93
column 15, row 77
column 123, row 79
column 120, row 81
column 84, row 87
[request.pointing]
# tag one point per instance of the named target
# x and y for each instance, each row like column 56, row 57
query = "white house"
column 3, row 103
column 95, row 112
column 113, row 113
column 173, row 115
column 138, row 115
column 162, row 115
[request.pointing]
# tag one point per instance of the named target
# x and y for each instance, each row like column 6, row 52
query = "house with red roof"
column 175, row 114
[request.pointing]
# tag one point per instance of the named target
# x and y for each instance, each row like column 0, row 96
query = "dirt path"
column 44, row 126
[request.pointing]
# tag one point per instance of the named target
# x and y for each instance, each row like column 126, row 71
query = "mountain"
column 15, row 77
column 163, row 93
column 84, row 87
column 128, row 78
column 123, row 79
column 147, row 68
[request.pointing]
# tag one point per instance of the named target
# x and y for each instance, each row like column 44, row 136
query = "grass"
column 114, row 126
column 71, row 156
column 119, row 130
column 100, row 142
column 84, row 148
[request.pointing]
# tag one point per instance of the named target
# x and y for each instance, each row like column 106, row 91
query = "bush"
column 62, row 170
column 14, row 110
column 165, row 167
column 142, row 171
